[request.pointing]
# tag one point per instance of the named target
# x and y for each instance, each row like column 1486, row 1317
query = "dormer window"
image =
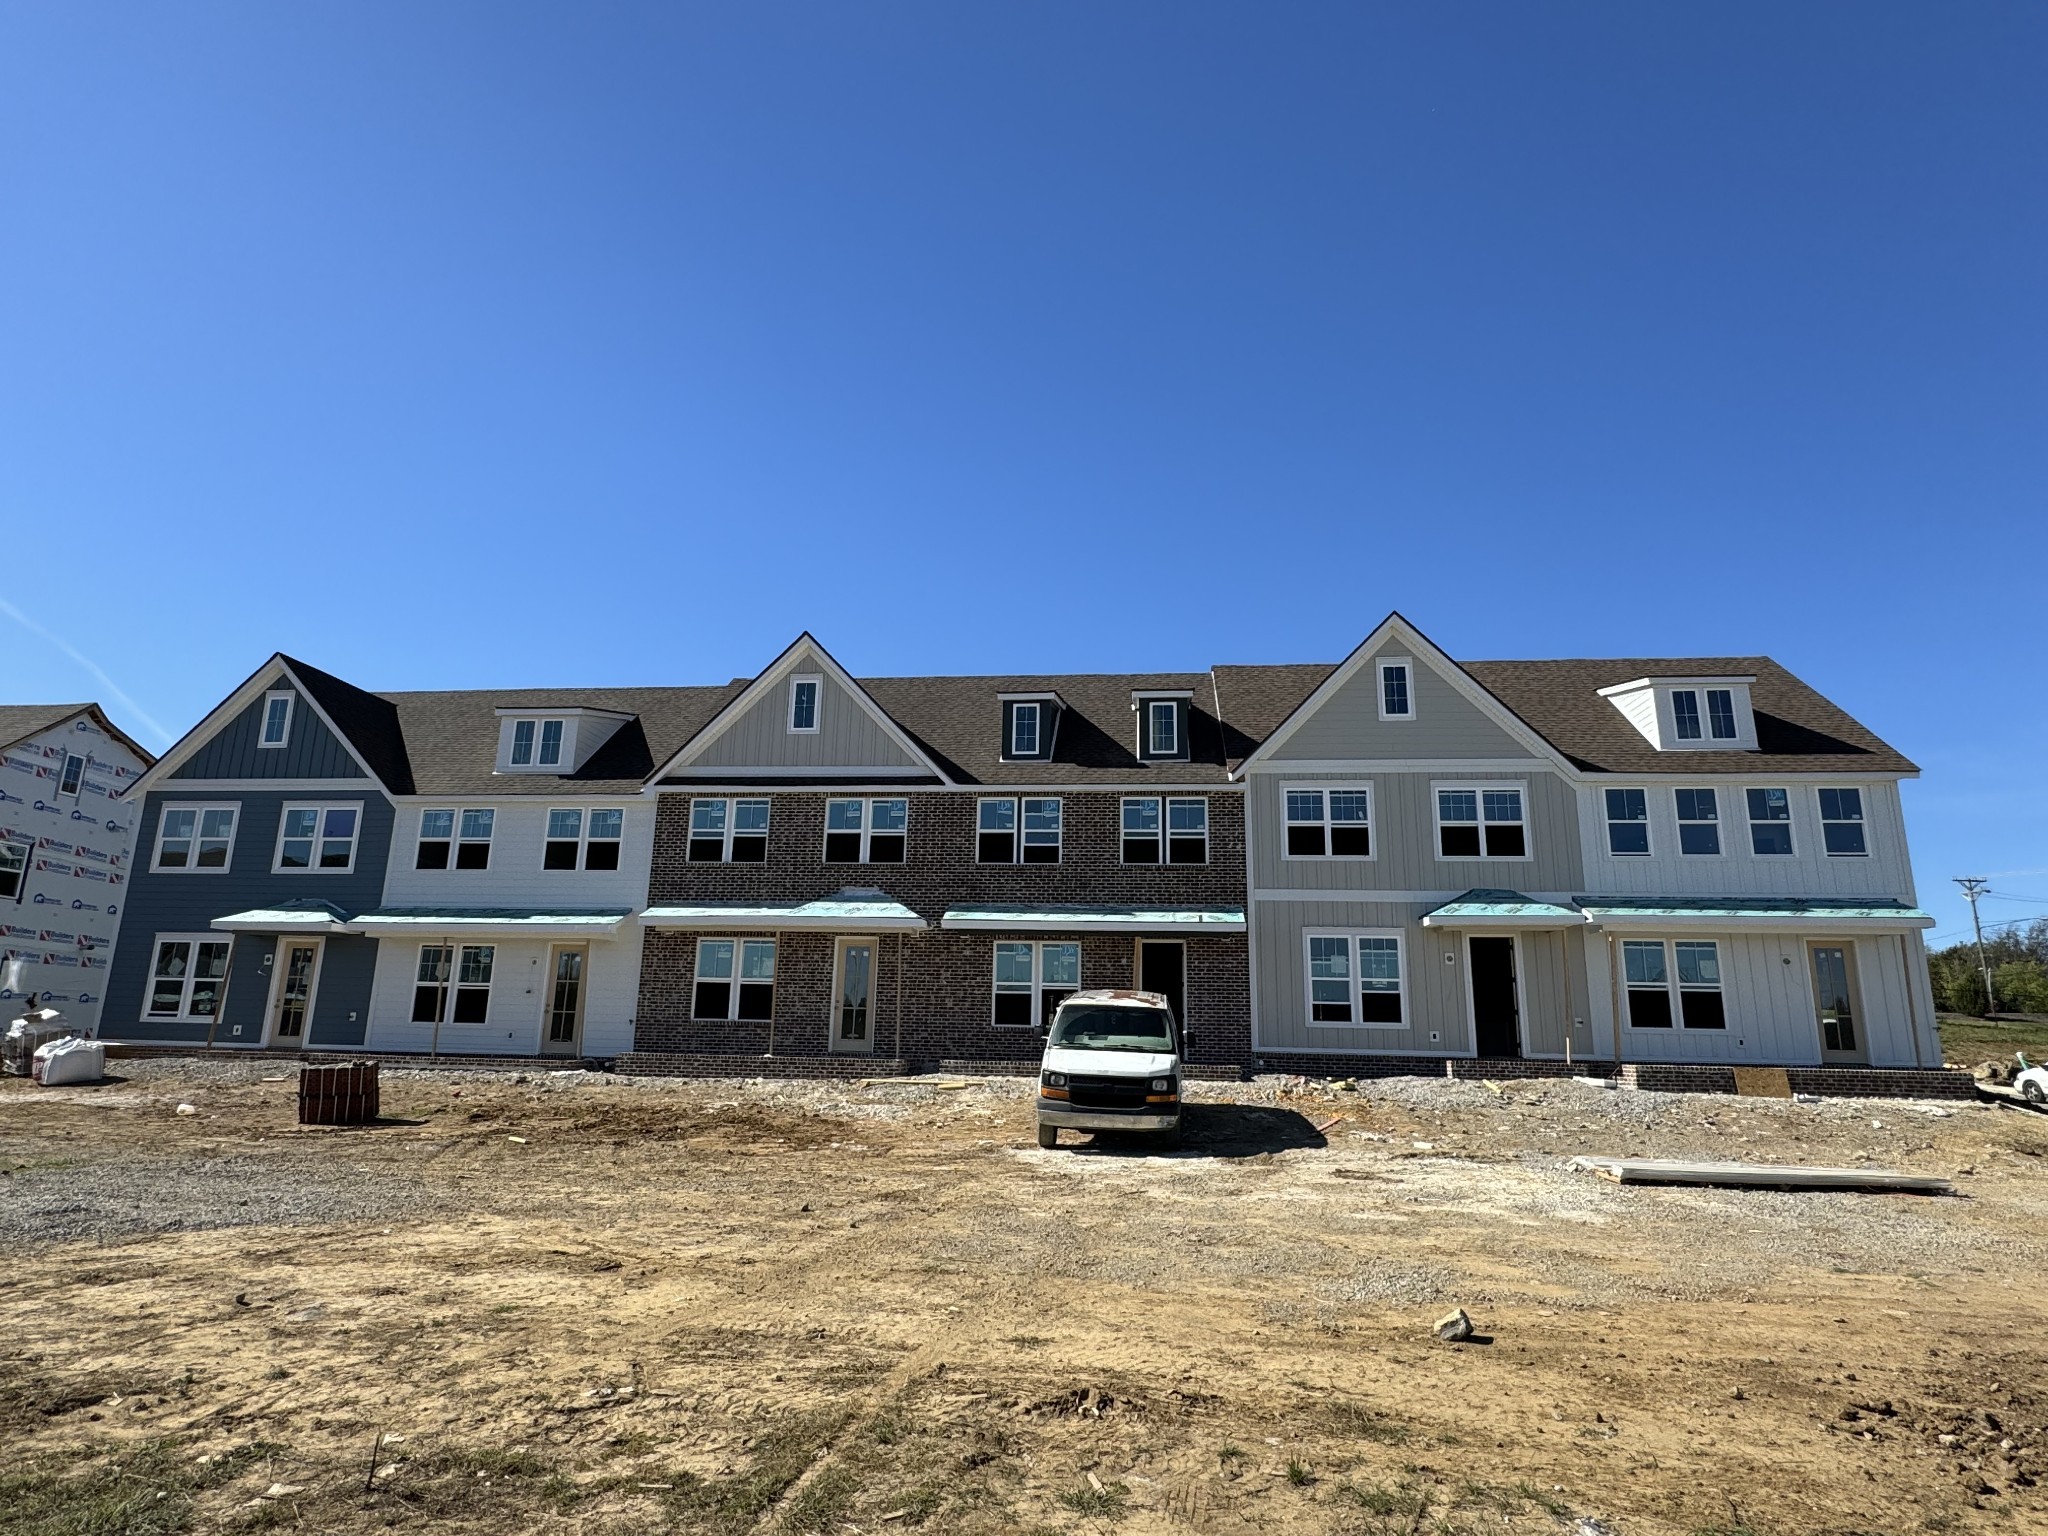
column 1024, row 731
column 1162, row 724
column 1685, row 713
column 1688, row 714
column 1030, row 722
column 803, row 705
column 1721, row 714
column 556, row 739
column 522, row 742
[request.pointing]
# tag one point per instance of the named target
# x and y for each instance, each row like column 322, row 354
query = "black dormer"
column 1030, row 724
column 1162, row 724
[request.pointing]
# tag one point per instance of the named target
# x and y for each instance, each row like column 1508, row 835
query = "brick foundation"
column 1824, row 1082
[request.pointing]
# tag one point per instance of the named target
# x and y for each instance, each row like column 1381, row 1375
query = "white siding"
column 518, row 998
column 515, row 877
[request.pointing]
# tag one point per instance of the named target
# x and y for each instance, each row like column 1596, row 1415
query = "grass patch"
column 1357, row 1422
column 823, row 1502
column 1299, row 1475
column 779, row 1458
column 144, row 1491
column 1230, row 1452
column 1402, row 1501
column 1109, row 1502
column 1970, row 1041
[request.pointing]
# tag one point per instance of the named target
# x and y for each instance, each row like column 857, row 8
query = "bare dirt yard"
column 570, row 1303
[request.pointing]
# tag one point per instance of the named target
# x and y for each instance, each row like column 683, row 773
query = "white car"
column 2032, row 1083
column 1112, row 1063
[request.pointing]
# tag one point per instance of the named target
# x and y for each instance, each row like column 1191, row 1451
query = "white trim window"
column 317, row 839
column 1770, row 822
column 1699, row 822
column 188, row 977
column 1481, row 821
column 13, row 869
column 1841, row 823
column 1025, row 719
column 195, row 838
column 1628, row 823
column 537, row 743
column 716, row 993
column 1356, row 980
column 277, row 719
column 1328, row 821
column 1162, row 728
column 580, row 839
column 453, row 986
column 1675, row 983
column 1030, row 982
column 1685, row 714
column 1182, row 839
column 70, row 776
column 438, row 840
column 866, row 831
column 729, row 831
column 803, row 704
column 1397, row 688
column 1721, row 714
column 996, row 839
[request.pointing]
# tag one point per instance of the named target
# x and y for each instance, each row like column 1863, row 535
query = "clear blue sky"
column 456, row 345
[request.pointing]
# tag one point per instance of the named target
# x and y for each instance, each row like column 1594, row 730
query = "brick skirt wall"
column 1825, row 1082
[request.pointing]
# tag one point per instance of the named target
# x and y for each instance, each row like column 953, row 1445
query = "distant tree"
column 2022, row 986
column 2019, row 970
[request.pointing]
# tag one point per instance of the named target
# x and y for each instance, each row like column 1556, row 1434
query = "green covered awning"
column 1750, row 912
column 492, row 922
column 1502, row 909
column 287, row 917
column 865, row 914
column 1054, row 917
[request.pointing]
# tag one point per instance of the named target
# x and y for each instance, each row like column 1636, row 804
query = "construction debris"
column 1648, row 1170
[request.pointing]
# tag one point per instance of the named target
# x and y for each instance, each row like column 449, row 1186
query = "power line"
column 1973, row 887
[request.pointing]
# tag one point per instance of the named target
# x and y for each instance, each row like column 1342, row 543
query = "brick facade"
column 933, row 990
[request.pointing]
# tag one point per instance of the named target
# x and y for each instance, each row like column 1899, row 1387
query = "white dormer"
column 1688, row 714
column 555, row 741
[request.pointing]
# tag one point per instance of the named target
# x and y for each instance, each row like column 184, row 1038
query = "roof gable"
column 223, row 745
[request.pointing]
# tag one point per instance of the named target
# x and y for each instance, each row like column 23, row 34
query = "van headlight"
column 1162, row 1085
column 1055, row 1079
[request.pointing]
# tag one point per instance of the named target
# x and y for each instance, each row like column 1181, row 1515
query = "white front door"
column 853, row 993
column 292, row 990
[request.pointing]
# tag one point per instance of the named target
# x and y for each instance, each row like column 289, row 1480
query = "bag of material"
column 70, row 1061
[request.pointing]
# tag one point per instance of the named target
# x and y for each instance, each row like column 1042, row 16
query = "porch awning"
column 1061, row 918
column 496, row 922
column 289, row 917
column 863, row 915
column 1502, row 909
column 1643, row 912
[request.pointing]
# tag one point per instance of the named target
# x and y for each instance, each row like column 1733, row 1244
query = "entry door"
column 853, row 998
column 298, row 973
column 1834, row 997
column 1496, row 1013
column 564, row 1033
column 1163, row 968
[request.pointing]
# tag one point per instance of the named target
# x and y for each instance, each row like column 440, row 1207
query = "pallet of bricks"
column 344, row 1093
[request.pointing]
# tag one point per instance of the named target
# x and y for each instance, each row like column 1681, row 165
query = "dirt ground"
column 586, row 1305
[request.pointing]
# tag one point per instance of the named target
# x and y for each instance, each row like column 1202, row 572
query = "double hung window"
column 866, row 831
column 1024, row 730
column 439, row 840
column 1355, row 979
column 188, row 976
column 195, row 837
column 1628, row 823
column 997, row 839
column 1721, row 714
column 321, row 838
column 1770, row 822
column 277, row 720
column 1032, row 980
column 1699, row 825
column 719, row 993
column 13, row 870
column 1685, row 713
column 72, row 775
column 583, row 839
column 1397, row 702
column 1183, row 838
column 537, row 743
column 1841, row 823
column 729, row 831
column 1481, row 823
column 1162, row 728
column 1331, row 823
column 1675, row 983
column 453, row 985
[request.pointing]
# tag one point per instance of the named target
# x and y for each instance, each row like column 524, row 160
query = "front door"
column 563, row 1035
column 853, row 998
column 1834, row 997
column 1163, row 968
column 298, row 973
column 1496, row 1013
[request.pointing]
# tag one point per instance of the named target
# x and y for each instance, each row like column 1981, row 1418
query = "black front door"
column 1163, row 968
column 1496, row 1022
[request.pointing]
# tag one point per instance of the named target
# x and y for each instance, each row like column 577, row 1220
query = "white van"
column 1112, row 1063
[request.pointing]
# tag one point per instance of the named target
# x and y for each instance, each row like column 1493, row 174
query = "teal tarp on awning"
column 1502, row 909
column 837, row 914
column 1050, row 917
column 1764, row 911
column 500, row 922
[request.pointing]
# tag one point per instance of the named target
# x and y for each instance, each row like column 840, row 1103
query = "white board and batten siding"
column 848, row 734
column 519, row 996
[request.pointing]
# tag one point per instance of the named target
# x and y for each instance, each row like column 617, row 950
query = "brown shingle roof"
column 18, row 722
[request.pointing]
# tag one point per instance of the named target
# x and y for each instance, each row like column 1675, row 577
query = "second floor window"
column 865, row 831
column 1699, row 823
column 1481, row 823
column 1841, row 823
column 439, row 839
column 277, row 720
column 318, row 837
column 1628, row 823
column 195, row 836
column 997, row 840
column 1333, row 823
column 583, row 839
column 1770, row 823
column 1395, row 702
column 72, row 776
column 1169, row 831
column 728, row 831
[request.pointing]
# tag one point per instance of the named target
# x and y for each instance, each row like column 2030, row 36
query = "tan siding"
column 847, row 735
column 1446, row 724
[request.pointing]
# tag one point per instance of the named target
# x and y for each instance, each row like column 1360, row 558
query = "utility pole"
column 1973, row 886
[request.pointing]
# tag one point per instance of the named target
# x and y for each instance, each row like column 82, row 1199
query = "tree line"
column 2019, row 972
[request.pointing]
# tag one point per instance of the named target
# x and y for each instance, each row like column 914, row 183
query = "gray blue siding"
column 311, row 752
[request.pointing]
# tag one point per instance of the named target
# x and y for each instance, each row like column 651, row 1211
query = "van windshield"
column 1113, row 1029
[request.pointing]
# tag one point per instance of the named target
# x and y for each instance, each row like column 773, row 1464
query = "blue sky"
column 494, row 344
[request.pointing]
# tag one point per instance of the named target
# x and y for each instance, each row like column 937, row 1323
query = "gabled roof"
column 365, row 721
column 18, row 722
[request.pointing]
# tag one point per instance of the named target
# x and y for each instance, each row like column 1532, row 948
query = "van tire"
column 1170, row 1139
column 1048, row 1135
